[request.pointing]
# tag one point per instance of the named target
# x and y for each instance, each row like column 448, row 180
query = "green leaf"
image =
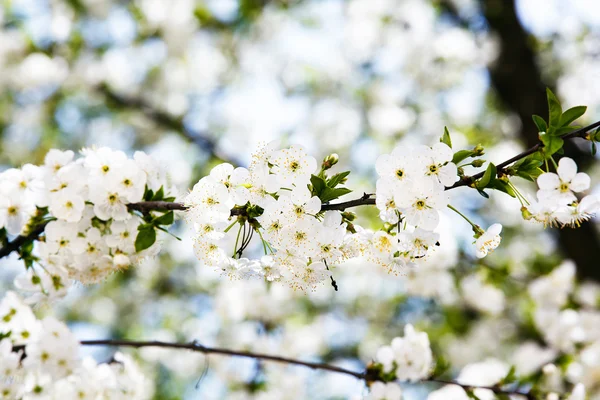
column 527, row 168
column 148, row 194
column 337, row 179
column 483, row 194
column 552, row 144
column 159, row 195
column 446, row 138
column 564, row 130
column 510, row 377
column 169, row 199
column 165, row 219
column 540, row 123
column 502, row 186
column 593, row 148
column 461, row 155
column 471, row 394
column 490, row 173
column 145, row 238
column 318, row 185
column 554, row 109
column 331, row 194
column 572, row 114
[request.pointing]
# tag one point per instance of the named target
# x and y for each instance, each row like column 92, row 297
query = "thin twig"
column 195, row 346
column 365, row 199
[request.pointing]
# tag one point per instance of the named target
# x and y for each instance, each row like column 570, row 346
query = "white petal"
column 580, row 182
column 548, row 181
column 448, row 174
column 429, row 220
column 567, row 168
column 442, row 153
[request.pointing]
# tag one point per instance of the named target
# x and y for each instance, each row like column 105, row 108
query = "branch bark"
column 197, row 347
column 365, row 199
column 518, row 83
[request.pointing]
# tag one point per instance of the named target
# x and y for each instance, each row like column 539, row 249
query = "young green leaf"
column 552, row 144
column 318, row 185
column 490, row 173
column 337, row 179
column 461, row 155
column 554, row 109
column 145, row 238
column 159, row 195
column 540, row 123
column 502, row 186
column 148, row 194
column 165, row 219
column 331, row 194
column 446, row 138
column 572, row 114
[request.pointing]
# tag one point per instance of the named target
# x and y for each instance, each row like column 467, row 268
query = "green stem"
column 264, row 242
column 237, row 239
column 476, row 228
column 230, row 226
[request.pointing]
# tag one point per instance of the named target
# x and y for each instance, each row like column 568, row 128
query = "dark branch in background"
column 197, row 347
column 21, row 240
column 165, row 120
column 365, row 199
column 518, row 83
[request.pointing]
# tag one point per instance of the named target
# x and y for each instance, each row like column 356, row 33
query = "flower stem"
column 476, row 228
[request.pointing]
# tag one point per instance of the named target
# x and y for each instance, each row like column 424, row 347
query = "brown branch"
column 197, row 347
column 579, row 133
column 21, row 240
column 365, row 199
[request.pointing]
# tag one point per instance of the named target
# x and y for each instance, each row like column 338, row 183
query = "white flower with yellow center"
column 488, row 241
column 293, row 166
column 420, row 202
column 559, row 187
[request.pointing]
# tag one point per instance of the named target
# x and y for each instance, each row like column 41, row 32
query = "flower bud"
column 478, row 150
column 525, row 213
column 478, row 163
column 330, row 161
column 348, row 216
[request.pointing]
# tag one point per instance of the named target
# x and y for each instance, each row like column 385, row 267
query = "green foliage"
column 165, row 219
column 446, row 138
column 527, row 168
column 326, row 189
column 145, row 238
column 558, row 124
column 149, row 195
column 464, row 154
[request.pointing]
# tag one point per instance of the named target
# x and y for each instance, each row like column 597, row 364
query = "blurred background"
column 196, row 83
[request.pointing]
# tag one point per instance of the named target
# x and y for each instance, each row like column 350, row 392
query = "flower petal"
column 548, row 181
column 580, row 182
column 567, row 168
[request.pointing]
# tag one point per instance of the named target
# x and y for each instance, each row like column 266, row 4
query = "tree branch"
column 365, row 199
column 197, row 347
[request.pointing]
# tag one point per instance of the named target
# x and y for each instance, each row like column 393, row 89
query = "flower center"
column 400, row 173
column 294, row 165
column 433, row 169
column 12, row 210
column 420, row 204
column 564, row 187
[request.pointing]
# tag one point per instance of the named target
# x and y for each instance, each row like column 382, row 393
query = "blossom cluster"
column 46, row 365
column 557, row 203
column 407, row 359
column 410, row 194
column 300, row 242
column 89, row 232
